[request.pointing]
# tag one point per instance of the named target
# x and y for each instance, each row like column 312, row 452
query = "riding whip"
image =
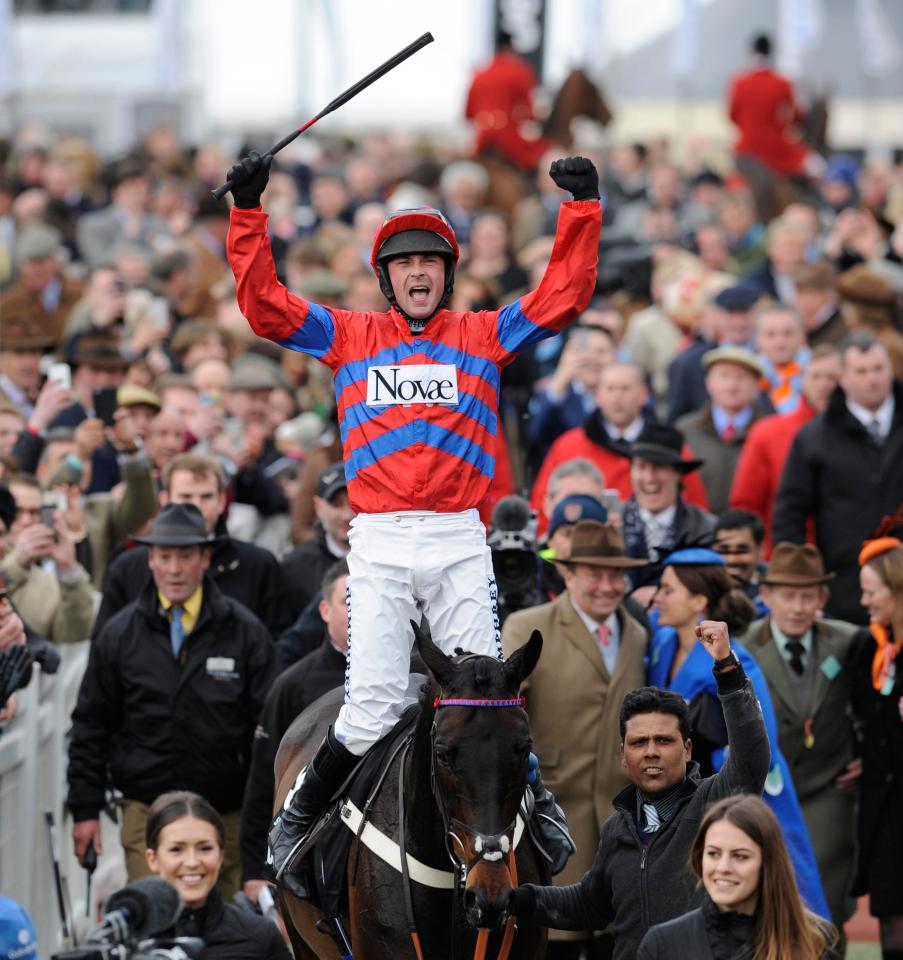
column 341, row 99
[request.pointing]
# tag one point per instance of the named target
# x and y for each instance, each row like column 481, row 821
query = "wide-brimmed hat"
column 178, row 525
column 795, row 565
column 595, row 544
column 21, row 334
column 663, row 444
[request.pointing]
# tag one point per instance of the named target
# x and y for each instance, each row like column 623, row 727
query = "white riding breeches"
column 402, row 566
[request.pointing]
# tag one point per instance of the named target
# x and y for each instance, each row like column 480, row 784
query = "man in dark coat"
column 242, row 571
column 296, row 689
column 304, row 567
column 170, row 696
column 845, row 469
column 641, row 874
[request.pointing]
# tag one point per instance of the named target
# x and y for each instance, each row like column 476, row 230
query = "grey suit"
column 818, row 743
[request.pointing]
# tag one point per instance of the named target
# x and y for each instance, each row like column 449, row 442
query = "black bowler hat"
column 178, row 525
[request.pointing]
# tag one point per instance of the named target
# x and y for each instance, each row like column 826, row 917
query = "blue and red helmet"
column 419, row 230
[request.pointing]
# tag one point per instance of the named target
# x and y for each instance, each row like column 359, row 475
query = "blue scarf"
column 695, row 677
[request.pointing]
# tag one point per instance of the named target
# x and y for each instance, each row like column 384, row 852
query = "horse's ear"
column 520, row 664
column 440, row 666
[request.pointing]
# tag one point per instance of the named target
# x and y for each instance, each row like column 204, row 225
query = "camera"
column 513, row 542
column 131, row 929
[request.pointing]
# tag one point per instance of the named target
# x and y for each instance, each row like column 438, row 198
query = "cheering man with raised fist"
column 417, row 394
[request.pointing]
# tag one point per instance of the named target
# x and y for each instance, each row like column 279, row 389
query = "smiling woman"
column 752, row 908
column 185, row 839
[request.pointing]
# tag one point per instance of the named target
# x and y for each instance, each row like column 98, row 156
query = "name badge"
column 223, row 668
column 414, row 383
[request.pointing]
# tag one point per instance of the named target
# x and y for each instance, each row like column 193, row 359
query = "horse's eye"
column 445, row 756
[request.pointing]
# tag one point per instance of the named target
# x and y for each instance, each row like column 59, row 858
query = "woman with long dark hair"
column 695, row 586
column 752, row 909
column 878, row 700
column 185, row 839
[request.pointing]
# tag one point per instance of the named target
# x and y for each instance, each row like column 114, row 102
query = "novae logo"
column 414, row 383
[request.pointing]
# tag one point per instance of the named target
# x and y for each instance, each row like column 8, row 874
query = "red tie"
column 728, row 433
column 603, row 635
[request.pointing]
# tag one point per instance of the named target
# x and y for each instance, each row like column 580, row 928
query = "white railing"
column 32, row 781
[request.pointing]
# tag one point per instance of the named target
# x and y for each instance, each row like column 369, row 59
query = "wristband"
column 730, row 660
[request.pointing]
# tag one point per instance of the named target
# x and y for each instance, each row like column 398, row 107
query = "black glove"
column 249, row 179
column 522, row 902
column 578, row 175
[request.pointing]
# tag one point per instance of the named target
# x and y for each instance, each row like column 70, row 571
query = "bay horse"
column 577, row 96
column 452, row 797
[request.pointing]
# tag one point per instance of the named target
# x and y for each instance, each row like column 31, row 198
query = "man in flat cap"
column 42, row 296
column 717, row 432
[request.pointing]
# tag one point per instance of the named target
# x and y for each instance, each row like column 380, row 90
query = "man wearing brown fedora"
column 801, row 656
column 594, row 653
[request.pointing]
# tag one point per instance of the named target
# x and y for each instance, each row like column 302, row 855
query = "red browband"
column 440, row 702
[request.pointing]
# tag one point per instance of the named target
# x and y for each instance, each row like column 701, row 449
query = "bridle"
column 489, row 847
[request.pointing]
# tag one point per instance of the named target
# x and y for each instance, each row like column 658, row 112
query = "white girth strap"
column 388, row 850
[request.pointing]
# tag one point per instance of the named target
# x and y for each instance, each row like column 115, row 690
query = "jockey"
column 417, row 396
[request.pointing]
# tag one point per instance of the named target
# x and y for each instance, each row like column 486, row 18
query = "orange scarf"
column 884, row 655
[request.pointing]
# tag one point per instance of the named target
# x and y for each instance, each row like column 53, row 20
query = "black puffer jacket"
column 231, row 933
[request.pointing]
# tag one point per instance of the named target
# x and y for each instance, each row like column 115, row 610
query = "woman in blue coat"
column 695, row 585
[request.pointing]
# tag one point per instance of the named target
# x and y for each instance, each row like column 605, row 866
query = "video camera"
column 134, row 916
column 513, row 542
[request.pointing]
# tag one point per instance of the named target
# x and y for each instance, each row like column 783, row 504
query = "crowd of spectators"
column 734, row 384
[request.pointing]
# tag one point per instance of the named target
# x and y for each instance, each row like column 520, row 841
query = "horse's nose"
column 486, row 909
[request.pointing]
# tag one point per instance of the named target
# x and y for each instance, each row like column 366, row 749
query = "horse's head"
column 480, row 752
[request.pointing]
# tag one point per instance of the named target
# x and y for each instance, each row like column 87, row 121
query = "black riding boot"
column 325, row 773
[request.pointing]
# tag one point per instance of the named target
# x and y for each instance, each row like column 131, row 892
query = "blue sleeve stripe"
column 356, row 370
column 431, row 434
column 468, row 405
column 516, row 330
column 475, row 366
column 315, row 335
